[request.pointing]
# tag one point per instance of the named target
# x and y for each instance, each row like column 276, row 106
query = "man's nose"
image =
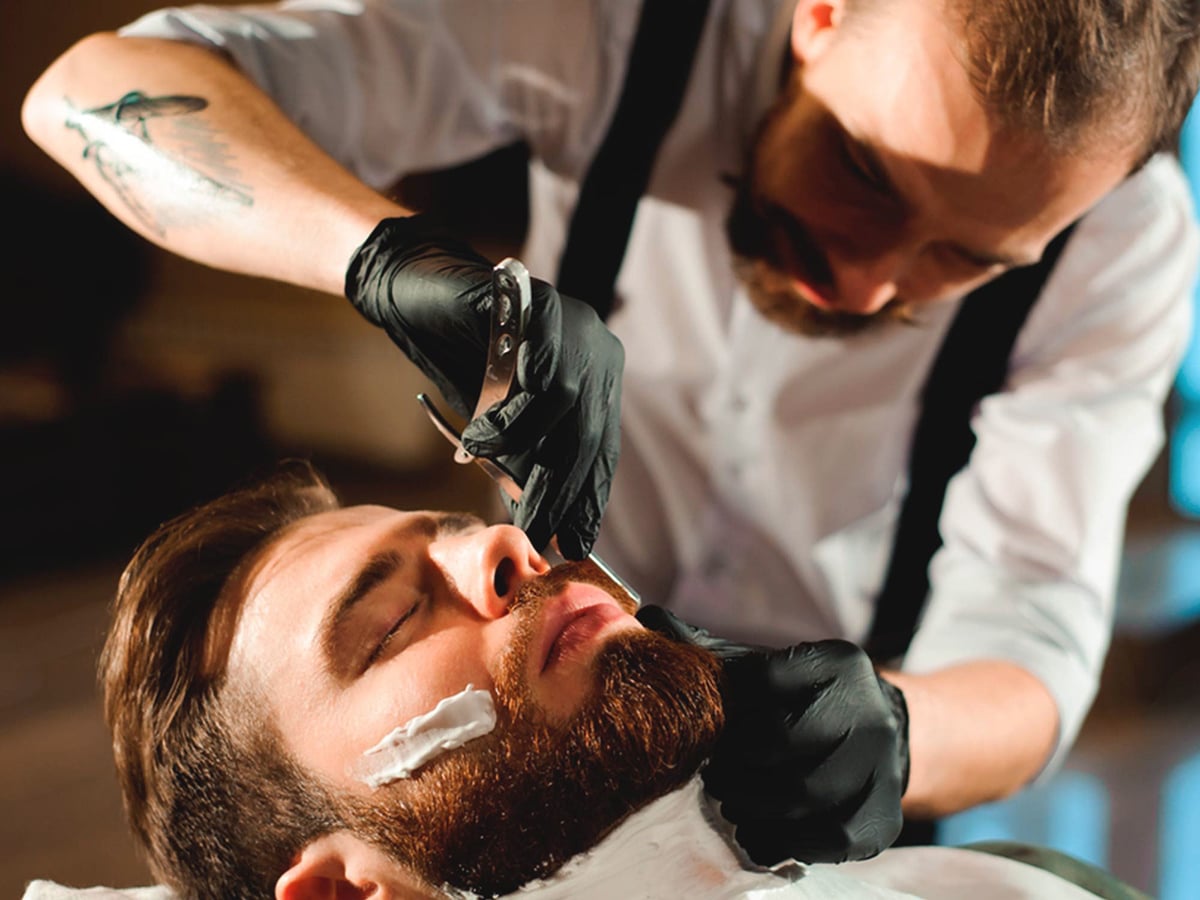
column 867, row 279
column 864, row 285
column 488, row 566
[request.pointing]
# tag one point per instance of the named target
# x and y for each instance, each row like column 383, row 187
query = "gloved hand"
column 814, row 756
column 559, row 431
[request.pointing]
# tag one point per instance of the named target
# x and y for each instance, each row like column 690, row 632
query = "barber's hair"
column 218, row 807
column 1079, row 70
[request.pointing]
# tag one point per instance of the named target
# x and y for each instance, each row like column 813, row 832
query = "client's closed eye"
column 391, row 633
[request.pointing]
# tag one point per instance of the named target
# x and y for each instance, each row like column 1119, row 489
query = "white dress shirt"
column 761, row 473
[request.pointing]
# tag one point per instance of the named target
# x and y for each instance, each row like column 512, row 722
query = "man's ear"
column 340, row 866
column 814, row 24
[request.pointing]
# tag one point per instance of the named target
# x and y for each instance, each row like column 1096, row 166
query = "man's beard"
column 515, row 805
column 753, row 226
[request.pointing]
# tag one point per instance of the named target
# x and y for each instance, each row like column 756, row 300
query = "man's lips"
column 575, row 617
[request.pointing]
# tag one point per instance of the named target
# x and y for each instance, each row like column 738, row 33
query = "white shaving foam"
column 467, row 715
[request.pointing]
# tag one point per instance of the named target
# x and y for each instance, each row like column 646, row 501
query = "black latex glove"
column 559, row 432
column 814, row 756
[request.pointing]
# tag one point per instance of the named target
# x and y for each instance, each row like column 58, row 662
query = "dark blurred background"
column 133, row 384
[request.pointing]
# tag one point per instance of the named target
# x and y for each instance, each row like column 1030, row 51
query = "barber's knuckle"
column 591, row 433
column 587, row 316
column 564, row 388
column 615, row 350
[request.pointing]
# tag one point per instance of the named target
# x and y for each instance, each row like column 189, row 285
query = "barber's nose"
column 864, row 285
column 488, row 566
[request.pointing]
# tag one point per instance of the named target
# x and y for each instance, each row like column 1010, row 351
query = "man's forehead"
column 933, row 88
column 954, row 161
column 924, row 108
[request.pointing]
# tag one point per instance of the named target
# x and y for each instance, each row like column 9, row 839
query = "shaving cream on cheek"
column 465, row 716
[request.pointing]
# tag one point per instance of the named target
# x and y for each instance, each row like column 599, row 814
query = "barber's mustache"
column 755, row 225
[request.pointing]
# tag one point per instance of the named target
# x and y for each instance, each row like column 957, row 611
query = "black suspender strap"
column 973, row 359
column 972, row 363
column 660, row 64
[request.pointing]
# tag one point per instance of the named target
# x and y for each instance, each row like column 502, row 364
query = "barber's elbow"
column 68, row 80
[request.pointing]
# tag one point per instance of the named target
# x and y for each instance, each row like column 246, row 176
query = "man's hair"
column 215, row 803
column 1063, row 68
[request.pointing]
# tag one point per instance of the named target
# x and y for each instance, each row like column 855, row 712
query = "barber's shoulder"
column 1122, row 279
column 1157, row 188
column 1145, row 220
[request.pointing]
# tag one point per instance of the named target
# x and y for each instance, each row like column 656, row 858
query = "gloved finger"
column 509, row 504
column 773, row 772
column 515, row 425
column 581, row 525
column 540, row 353
column 561, row 463
column 861, row 825
column 874, row 826
column 816, row 839
column 773, row 793
column 774, row 681
column 850, row 831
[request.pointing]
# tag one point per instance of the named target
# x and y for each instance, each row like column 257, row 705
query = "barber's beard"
column 754, row 227
column 514, row 806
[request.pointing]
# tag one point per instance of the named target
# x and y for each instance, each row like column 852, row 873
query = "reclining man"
column 314, row 701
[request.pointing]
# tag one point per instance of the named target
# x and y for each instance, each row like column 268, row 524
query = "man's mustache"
column 755, row 225
column 537, row 590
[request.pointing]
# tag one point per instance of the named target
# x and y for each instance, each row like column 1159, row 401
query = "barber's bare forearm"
column 977, row 732
column 186, row 151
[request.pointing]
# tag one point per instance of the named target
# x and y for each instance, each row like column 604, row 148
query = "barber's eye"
column 861, row 171
column 502, row 580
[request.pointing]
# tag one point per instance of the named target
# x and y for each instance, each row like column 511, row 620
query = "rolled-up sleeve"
column 1033, row 527
column 390, row 88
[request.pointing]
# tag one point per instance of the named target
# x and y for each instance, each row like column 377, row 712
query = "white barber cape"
column 675, row 848
column 762, row 473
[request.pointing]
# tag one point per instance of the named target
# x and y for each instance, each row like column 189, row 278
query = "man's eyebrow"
column 449, row 522
column 868, row 157
column 375, row 571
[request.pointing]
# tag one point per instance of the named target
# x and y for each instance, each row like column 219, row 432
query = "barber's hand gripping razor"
column 511, row 300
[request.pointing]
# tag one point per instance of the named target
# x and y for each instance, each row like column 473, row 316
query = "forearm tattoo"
column 148, row 148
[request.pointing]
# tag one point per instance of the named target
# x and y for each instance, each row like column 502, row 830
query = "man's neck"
column 675, row 847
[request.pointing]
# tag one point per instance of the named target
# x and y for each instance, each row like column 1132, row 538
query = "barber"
column 818, row 187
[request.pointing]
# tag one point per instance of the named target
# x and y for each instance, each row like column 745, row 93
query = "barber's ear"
column 340, row 866
column 814, row 24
